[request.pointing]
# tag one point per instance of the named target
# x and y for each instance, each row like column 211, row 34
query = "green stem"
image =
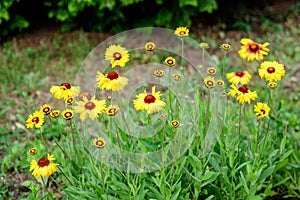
column 206, row 118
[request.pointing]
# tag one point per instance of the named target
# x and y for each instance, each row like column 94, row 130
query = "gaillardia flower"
column 170, row 61
column 99, row 142
column 226, row 47
column 70, row 101
column 111, row 81
column 239, row 77
column 36, row 119
column 204, row 45
column 68, row 114
column 32, row 151
column 209, row 82
column 149, row 102
column 158, row 73
column 45, row 109
column 211, row 71
column 272, row 85
column 65, row 90
column 220, row 83
column 261, row 110
column 117, row 55
column 112, row 110
column 176, row 77
column 55, row 113
column 253, row 51
column 91, row 108
column 243, row 94
column 150, row 46
column 271, row 71
column 175, row 123
column 182, row 32
column 43, row 167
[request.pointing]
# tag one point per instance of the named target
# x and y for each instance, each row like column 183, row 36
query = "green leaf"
column 207, row 5
column 183, row 3
column 209, row 177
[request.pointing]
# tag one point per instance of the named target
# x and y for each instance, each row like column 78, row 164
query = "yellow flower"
column 176, row 77
column 209, row 82
column 175, row 123
column 43, row 167
column 32, row 151
column 226, row 47
column 117, row 55
column 243, row 94
column 170, row 61
column 164, row 116
column 36, row 119
column 182, row 32
column 149, row 102
column 211, row 71
column 111, row 81
column 68, row 114
column 99, row 142
column 253, row 51
column 54, row 113
column 112, row 110
column 150, row 46
column 45, row 109
column 91, row 108
column 239, row 77
column 204, row 45
column 70, row 101
column 271, row 71
column 65, row 90
column 272, row 85
column 158, row 73
column 220, row 83
column 261, row 110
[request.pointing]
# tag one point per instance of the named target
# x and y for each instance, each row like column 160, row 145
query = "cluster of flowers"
column 87, row 106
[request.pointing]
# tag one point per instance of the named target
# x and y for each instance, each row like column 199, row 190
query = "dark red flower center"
column 43, row 162
column 46, row 110
column 210, row 83
column 263, row 111
column 254, row 47
column 89, row 106
column 112, row 75
column 99, row 143
column 150, row 47
column 66, row 85
column 170, row 61
column 243, row 89
column 240, row 74
column 149, row 98
column 271, row 70
column 117, row 56
column 70, row 100
column 68, row 114
column 35, row 120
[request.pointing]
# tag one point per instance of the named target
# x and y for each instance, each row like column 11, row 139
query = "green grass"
column 253, row 164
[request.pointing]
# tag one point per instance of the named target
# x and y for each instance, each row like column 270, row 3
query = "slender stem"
column 44, row 141
column 206, row 118
column 62, row 172
column 102, row 179
column 182, row 43
column 240, row 120
column 64, row 152
column 257, row 136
